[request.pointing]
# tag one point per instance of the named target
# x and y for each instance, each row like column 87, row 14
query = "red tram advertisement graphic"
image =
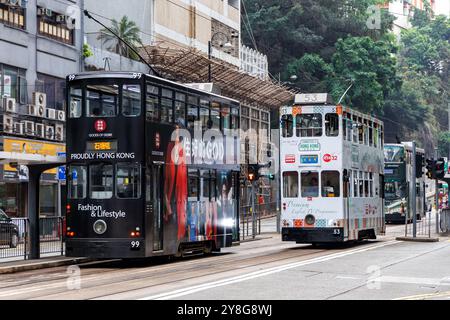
column 290, row 158
column 328, row 157
column 100, row 125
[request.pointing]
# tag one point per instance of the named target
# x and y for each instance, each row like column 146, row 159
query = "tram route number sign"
column 101, row 146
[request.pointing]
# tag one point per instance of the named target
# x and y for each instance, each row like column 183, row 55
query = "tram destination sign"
column 309, row 145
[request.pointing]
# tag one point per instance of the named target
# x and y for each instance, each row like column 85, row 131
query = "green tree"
column 126, row 30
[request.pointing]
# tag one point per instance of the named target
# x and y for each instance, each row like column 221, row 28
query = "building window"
column 13, row 15
column 54, row 88
column 55, row 26
column 13, row 83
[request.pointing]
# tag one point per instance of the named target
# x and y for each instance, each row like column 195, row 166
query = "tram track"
column 166, row 276
column 176, row 272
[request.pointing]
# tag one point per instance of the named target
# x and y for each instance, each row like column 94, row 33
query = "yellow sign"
column 102, row 146
column 32, row 147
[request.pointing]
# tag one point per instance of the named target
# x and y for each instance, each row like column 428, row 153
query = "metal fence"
column 251, row 223
column 15, row 240
column 421, row 227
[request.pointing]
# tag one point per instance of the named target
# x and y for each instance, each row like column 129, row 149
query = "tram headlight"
column 310, row 219
column 100, row 227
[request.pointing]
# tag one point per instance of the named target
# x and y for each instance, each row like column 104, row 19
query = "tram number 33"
column 135, row 245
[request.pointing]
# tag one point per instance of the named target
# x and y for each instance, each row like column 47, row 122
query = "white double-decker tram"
column 331, row 172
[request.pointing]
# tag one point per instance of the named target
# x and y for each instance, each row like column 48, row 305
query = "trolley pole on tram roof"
column 413, row 188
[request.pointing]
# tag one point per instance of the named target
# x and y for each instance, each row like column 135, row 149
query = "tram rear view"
column 134, row 189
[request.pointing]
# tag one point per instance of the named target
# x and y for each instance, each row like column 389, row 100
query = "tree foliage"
column 328, row 46
column 126, row 30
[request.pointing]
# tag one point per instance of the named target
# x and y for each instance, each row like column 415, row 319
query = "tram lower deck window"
column 128, row 181
column 310, row 184
column 77, row 186
column 330, row 184
column 101, row 181
column 290, row 184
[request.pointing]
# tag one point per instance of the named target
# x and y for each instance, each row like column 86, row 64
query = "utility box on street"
column 445, row 220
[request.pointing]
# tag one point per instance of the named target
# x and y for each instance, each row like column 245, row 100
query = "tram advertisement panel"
column 197, row 201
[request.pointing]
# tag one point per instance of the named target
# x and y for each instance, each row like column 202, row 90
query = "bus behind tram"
column 149, row 170
column 331, row 172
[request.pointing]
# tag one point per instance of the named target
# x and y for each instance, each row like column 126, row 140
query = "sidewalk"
column 49, row 262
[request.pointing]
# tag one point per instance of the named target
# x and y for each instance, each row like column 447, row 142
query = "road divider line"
column 261, row 273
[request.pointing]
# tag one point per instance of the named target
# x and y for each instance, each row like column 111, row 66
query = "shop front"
column 14, row 180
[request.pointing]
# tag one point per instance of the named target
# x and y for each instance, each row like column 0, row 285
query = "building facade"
column 190, row 29
column 40, row 44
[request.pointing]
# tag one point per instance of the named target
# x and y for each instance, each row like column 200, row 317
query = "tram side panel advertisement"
column 189, row 214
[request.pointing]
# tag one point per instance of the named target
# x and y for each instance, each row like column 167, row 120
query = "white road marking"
column 262, row 273
column 413, row 280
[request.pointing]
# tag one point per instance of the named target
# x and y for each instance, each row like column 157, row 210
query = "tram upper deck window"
column 235, row 118
column 310, row 184
column 332, row 124
column 101, row 181
column 330, row 184
column 166, row 105
column 309, row 125
column 287, row 126
column 77, row 182
column 76, row 98
column 131, row 100
column 215, row 115
column 101, row 100
column 204, row 114
column 226, row 117
column 128, row 181
column 192, row 112
column 152, row 103
column 290, row 184
column 180, row 109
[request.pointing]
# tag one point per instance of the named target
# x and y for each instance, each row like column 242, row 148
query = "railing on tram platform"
column 15, row 239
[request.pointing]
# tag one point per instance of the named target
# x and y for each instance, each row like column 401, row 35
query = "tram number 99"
column 135, row 245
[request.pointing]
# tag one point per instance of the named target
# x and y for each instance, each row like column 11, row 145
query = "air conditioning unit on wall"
column 19, row 128
column 40, row 130
column 10, row 105
column 7, row 123
column 59, row 132
column 51, row 114
column 40, row 99
column 29, row 127
column 49, row 132
column 61, row 115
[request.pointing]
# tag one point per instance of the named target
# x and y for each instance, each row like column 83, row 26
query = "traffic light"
column 431, row 169
column 253, row 172
column 440, row 168
column 419, row 165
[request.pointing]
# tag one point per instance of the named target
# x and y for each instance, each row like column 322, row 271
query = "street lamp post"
column 227, row 45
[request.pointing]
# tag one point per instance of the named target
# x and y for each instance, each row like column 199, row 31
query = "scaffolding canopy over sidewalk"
column 191, row 65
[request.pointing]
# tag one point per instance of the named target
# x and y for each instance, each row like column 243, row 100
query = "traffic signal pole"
column 413, row 189
column 436, row 196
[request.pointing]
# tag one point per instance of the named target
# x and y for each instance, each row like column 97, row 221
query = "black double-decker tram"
column 152, row 167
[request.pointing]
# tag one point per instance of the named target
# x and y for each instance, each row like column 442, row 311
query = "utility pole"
column 413, row 188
